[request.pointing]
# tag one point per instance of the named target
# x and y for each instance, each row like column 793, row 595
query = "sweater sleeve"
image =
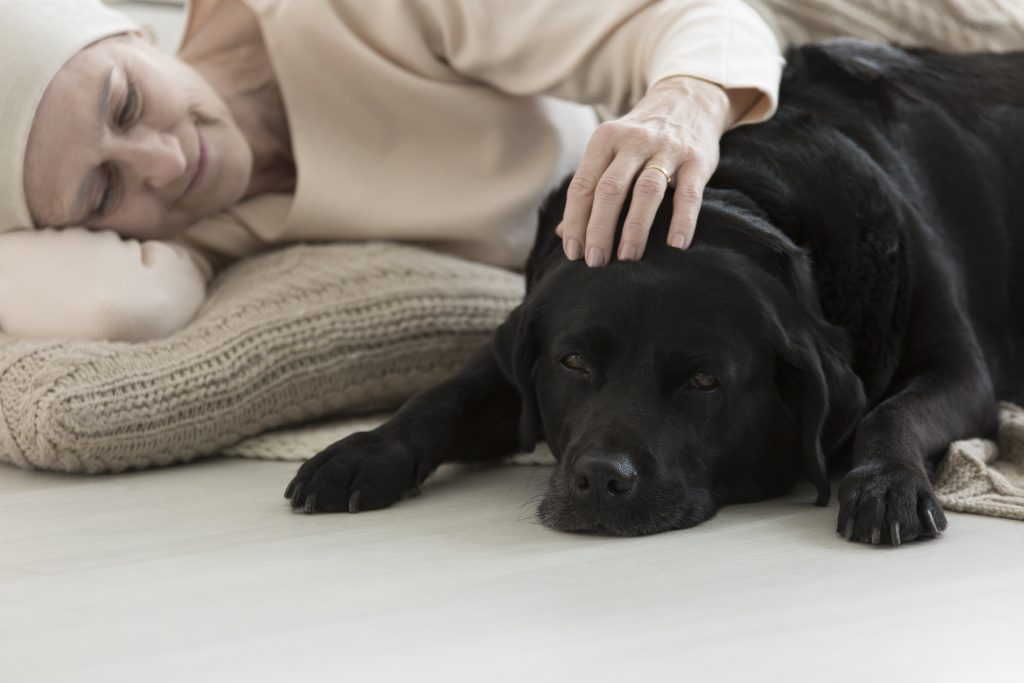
column 94, row 285
column 606, row 52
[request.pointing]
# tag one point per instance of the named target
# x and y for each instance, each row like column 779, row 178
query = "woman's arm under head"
column 80, row 284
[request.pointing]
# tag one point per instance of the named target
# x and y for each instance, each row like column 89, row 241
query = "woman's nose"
column 157, row 158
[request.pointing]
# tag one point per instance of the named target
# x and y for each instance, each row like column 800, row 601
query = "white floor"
column 201, row 573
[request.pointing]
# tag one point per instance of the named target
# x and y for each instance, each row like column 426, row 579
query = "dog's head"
column 670, row 386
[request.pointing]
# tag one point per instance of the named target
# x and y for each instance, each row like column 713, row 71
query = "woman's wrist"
column 721, row 106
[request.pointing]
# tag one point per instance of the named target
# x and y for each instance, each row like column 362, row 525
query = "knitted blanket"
column 283, row 337
column 987, row 477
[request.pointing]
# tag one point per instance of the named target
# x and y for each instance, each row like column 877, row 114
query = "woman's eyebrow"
column 86, row 188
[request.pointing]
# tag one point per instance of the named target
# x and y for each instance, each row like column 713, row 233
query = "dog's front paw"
column 881, row 503
column 364, row 471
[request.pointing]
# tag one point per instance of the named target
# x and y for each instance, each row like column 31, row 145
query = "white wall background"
column 165, row 18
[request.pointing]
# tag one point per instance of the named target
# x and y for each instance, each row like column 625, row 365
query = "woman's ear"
column 516, row 349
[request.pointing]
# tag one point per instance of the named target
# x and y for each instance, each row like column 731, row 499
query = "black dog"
column 849, row 298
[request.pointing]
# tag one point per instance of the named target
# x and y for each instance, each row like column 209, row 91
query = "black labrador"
column 850, row 299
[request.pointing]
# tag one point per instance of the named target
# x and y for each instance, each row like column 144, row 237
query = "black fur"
column 850, row 289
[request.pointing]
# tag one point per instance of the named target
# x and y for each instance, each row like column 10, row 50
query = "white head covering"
column 36, row 38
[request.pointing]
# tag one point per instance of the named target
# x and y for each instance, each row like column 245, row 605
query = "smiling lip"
column 197, row 177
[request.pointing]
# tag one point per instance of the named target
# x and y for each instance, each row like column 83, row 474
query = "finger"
column 580, row 196
column 609, row 197
column 690, row 182
column 648, row 193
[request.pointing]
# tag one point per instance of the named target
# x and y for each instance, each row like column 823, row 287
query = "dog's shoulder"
column 819, row 185
column 849, row 58
column 828, row 74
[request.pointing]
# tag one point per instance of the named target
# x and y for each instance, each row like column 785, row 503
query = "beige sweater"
column 440, row 122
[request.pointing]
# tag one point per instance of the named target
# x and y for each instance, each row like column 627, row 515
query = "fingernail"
column 627, row 253
column 678, row 240
column 572, row 250
column 594, row 257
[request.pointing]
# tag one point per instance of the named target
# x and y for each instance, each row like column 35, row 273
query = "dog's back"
column 878, row 155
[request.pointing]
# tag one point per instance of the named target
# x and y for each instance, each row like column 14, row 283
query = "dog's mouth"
column 652, row 511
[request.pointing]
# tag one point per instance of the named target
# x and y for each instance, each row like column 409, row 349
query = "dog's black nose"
column 605, row 478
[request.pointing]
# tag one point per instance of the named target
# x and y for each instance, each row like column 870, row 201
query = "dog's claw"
column 353, row 502
column 296, row 496
column 894, row 533
column 849, row 529
column 876, row 536
column 933, row 528
column 310, row 505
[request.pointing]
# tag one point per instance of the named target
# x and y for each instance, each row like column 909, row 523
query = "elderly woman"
column 439, row 122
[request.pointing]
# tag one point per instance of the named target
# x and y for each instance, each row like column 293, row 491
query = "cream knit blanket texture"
column 987, row 477
column 288, row 336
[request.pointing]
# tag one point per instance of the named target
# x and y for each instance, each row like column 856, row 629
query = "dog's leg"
column 942, row 392
column 473, row 416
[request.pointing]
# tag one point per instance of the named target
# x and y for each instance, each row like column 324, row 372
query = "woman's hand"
column 670, row 139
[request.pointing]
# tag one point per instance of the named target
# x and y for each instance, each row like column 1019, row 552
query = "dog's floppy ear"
column 815, row 376
column 516, row 349
column 829, row 398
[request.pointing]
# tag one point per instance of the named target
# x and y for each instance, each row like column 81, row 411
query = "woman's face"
column 134, row 140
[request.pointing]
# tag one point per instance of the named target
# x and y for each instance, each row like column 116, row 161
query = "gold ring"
column 659, row 169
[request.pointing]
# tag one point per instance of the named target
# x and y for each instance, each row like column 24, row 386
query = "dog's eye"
column 574, row 361
column 704, row 381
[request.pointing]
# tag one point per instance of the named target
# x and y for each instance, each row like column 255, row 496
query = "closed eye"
column 130, row 109
column 127, row 115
